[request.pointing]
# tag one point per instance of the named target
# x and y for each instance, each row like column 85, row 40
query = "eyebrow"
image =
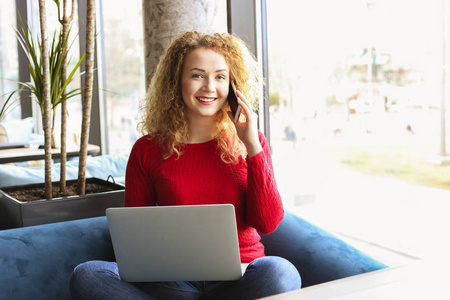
column 201, row 70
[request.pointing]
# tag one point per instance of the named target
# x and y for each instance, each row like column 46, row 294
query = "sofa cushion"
column 3, row 137
column 18, row 131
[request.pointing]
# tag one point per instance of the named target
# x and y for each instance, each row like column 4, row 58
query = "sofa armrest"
column 37, row 262
column 318, row 255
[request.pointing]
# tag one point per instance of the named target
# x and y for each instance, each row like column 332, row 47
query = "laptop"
column 175, row 243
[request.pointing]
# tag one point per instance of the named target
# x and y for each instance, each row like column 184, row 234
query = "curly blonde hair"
column 163, row 109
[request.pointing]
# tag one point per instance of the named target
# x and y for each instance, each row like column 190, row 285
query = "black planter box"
column 14, row 213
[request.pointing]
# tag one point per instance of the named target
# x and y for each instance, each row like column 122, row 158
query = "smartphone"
column 233, row 101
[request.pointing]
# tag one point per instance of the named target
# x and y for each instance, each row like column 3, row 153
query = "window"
column 120, row 70
column 73, row 104
column 122, row 34
column 9, row 68
column 356, row 91
column 9, row 63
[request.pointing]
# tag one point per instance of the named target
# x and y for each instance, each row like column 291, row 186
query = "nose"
column 209, row 85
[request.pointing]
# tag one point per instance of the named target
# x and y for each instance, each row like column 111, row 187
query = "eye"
column 222, row 77
column 197, row 76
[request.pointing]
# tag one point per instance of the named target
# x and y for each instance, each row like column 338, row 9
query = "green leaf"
column 57, row 57
column 7, row 105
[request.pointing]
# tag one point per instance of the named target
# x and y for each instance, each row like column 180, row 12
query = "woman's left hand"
column 247, row 126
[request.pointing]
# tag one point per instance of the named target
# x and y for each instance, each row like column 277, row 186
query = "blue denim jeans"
column 265, row 276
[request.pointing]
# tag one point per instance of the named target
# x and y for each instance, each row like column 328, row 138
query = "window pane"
column 9, row 68
column 355, row 93
column 124, row 57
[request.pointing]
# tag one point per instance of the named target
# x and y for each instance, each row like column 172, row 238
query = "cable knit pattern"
column 199, row 176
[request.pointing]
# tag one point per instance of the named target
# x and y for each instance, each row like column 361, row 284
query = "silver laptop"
column 175, row 243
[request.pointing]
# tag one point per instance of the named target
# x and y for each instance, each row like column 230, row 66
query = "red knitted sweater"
column 199, row 176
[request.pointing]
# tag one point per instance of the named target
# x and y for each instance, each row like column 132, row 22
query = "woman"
column 193, row 152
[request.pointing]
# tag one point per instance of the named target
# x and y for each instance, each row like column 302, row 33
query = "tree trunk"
column 46, row 114
column 63, row 167
column 165, row 19
column 65, row 22
column 52, row 131
column 87, row 94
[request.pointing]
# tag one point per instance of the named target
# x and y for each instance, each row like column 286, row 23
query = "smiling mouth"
column 206, row 100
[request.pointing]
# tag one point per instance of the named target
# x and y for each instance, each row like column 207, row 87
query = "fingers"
column 246, row 126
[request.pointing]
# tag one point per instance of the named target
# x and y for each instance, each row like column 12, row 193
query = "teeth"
column 205, row 99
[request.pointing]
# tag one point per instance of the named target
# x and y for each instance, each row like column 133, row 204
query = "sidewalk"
column 391, row 220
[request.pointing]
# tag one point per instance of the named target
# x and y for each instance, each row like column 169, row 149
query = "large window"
column 122, row 34
column 119, row 70
column 9, row 63
column 9, row 69
column 357, row 119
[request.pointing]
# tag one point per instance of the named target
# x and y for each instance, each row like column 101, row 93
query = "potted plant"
column 47, row 64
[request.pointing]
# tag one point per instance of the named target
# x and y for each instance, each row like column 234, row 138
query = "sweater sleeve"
column 139, row 187
column 264, row 209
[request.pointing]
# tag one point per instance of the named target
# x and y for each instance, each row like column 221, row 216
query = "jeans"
column 265, row 276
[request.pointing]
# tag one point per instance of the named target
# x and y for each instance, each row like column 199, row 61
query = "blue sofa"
column 36, row 262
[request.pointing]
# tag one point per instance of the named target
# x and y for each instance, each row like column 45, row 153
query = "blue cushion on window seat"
column 97, row 166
